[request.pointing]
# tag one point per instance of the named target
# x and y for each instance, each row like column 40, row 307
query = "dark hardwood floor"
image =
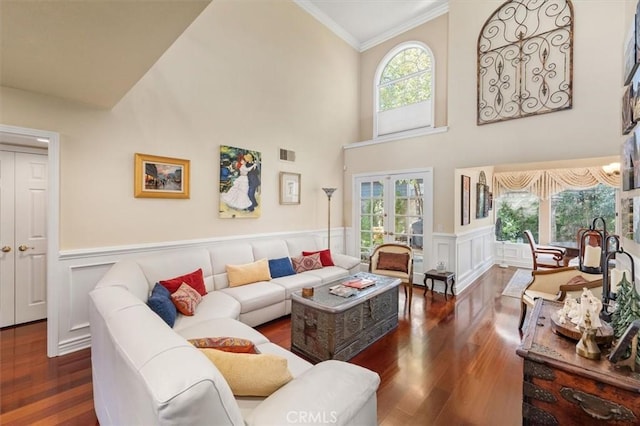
column 450, row 362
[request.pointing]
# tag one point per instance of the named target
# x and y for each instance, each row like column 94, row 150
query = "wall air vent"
column 286, row 155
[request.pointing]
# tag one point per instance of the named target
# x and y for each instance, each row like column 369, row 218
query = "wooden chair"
column 557, row 284
column 394, row 260
column 544, row 256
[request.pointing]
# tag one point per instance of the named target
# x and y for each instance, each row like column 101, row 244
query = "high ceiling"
column 86, row 50
column 94, row 51
column 366, row 23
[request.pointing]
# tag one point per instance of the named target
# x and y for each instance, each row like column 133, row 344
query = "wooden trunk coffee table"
column 326, row 326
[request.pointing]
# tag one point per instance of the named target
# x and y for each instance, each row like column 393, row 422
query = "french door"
column 395, row 207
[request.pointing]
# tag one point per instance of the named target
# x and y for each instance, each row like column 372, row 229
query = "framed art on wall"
column 289, row 188
column 240, row 182
column 627, row 110
column 160, row 177
column 465, row 200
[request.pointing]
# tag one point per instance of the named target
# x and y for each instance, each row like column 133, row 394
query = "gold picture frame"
column 289, row 188
column 160, row 177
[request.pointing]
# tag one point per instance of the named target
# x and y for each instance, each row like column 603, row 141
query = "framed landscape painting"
column 160, row 177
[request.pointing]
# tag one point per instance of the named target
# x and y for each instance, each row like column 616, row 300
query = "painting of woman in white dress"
column 239, row 182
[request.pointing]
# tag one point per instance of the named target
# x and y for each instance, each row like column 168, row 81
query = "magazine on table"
column 342, row 291
column 359, row 283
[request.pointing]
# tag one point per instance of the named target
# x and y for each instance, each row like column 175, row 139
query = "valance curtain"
column 545, row 183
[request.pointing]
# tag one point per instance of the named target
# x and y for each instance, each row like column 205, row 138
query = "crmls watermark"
column 312, row 417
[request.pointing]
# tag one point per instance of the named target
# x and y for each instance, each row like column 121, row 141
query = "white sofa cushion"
column 214, row 304
column 228, row 254
column 256, row 296
column 296, row 282
column 270, row 249
column 299, row 244
column 176, row 263
column 328, row 273
column 222, row 327
column 314, row 392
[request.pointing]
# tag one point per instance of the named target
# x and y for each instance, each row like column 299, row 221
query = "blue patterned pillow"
column 280, row 267
column 160, row 303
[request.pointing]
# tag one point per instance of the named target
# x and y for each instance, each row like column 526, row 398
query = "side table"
column 448, row 278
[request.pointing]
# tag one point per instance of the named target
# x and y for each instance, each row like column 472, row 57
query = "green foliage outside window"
column 517, row 213
column 405, row 80
column 575, row 209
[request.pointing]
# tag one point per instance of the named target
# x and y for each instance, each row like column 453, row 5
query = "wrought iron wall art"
column 525, row 60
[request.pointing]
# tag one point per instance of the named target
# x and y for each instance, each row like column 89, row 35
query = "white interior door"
column 23, row 237
column 7, row 239
column 394, row 208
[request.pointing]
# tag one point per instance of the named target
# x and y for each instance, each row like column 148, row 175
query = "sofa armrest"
column 331, row 392
column 345, row 261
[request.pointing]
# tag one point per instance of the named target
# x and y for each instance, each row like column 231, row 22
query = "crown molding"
column 405, row 26
column 321, row 17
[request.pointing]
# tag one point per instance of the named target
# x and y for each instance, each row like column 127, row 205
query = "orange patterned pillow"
column 226, row 344
column 186, row 299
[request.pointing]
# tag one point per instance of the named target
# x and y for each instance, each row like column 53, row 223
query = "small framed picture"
column 465, row 198
column 289, row 188
column 160, row 177
column 627, row 110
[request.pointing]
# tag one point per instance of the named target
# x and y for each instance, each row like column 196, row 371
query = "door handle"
column 24, row 248
column 6, row 249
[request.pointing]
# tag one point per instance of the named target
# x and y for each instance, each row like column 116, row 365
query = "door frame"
column 53, row 225
column 427, row 213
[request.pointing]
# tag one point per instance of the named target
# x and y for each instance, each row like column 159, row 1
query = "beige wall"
column 590, row 129
column 258, row 75
column 433, row 35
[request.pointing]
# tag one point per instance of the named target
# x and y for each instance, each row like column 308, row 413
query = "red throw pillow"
column 393, row 261
column 186, row 299
column 195, row 280
column 325, row 256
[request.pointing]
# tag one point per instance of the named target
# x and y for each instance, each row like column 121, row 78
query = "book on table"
column 342, row 291
column 359, row 283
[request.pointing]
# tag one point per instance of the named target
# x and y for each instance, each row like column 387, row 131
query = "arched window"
column 404, row 85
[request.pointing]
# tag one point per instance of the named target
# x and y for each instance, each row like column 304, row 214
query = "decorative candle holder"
column 307, row 292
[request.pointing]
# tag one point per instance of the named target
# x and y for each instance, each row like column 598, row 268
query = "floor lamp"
column 329, row 192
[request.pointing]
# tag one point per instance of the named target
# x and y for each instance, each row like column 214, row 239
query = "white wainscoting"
column 513, row 254
column 77, row 272
column 474, row 256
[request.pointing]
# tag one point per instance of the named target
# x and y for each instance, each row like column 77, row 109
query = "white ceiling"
column 94, row 51
column 366, row 23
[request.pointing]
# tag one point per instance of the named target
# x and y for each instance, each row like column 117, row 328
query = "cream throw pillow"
column 250, row 374
column 248, row 273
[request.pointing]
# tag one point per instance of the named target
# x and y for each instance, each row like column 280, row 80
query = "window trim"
column 376, row 84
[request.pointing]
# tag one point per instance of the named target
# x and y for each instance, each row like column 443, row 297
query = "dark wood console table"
column 448, row 278
column 562, row 388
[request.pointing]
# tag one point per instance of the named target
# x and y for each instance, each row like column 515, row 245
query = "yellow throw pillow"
column 248, row 273
column 250, row 374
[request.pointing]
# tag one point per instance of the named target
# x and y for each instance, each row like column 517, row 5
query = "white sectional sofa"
column 145, row 372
